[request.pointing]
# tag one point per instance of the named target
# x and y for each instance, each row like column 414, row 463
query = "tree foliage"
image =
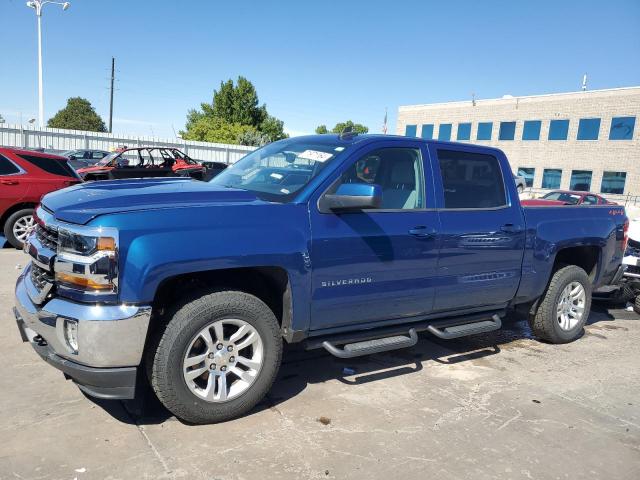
column 78, row 114
column 234, row 116
column 357, row 127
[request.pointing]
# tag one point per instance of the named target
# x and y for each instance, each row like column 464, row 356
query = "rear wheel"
column 18, row 226
column 217, row 357
column 564, row 308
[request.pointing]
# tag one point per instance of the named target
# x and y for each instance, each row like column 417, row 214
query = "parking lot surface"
column 499, row 405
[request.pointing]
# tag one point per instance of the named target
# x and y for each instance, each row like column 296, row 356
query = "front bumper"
column 111, row 339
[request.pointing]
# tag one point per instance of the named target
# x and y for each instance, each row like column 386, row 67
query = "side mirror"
column 352, row 196
column 72, row 157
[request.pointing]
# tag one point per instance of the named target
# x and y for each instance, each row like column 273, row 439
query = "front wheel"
column 217, row 357
column 564, row 308
column 18, row 226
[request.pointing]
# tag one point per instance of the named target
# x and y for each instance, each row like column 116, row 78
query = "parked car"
column 351, row 243
column 84, row 158
column 25, row 176
column 143, row 162
column 568, row 197
column 213, row 168
column 521, row 183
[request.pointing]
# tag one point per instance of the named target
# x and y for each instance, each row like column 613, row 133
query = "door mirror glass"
column 353, row 196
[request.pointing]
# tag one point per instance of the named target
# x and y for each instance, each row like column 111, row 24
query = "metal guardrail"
column 23, row 136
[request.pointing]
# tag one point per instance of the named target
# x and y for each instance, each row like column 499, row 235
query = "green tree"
column 234, row 105
column 216, row 130
column 77, row 115
column 357, row 127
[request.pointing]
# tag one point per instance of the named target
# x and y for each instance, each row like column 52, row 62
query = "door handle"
column 511, row 228
column 9, row 182
column 422, row 232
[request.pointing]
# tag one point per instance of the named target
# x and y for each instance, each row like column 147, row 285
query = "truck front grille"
column 47, row 236
column 40, row 278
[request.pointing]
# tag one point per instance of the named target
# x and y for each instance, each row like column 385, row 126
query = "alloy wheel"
column 223, row 360
column 571, row 303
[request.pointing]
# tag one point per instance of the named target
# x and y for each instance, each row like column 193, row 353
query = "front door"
column 377, row 265
column 482, row 229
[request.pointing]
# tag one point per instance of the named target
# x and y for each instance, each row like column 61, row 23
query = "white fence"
column 59, row 139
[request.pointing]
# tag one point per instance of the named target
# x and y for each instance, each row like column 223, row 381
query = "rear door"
column 482, row 228
column 14, row 184
column 379, row 264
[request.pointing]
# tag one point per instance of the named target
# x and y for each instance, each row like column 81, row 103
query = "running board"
column 368, row 347
column 462, row 330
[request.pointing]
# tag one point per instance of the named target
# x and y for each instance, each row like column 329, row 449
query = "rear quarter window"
column 50, row 165
column 7, row 167
column 471, row 180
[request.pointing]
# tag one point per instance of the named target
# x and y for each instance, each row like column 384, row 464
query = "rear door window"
column 471, row 180
column 7, row 167
column 50, row 165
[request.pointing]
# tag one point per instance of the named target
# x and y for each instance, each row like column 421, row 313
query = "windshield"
column 563, row 197
column 106, row 160
column 282, row 168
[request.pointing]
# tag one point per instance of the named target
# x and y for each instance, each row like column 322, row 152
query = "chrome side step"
column 368, row 347
column 462, row 330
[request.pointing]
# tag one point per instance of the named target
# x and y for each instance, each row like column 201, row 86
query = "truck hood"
column 82, row 203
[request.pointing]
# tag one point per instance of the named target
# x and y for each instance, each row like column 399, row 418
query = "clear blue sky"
column 311, row 62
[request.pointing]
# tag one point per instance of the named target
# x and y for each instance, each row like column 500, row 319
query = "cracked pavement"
column 499, row 405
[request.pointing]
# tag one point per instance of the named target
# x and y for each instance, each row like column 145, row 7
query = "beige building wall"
column 571, row 154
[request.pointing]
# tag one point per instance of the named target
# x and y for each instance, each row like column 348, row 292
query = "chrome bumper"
column 108, row 335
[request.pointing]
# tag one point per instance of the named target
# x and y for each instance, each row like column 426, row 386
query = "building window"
column 622, row 128
column 427, row 131
column 410, row 130
column 464, row 131
column 558, row 129
column 444, row 133
column 484, row 131
column 507, row 131
column 613, row 182
column 528, row 174
column 551, row 178
column 531, row 130
column 580, row 180
column 588, row 128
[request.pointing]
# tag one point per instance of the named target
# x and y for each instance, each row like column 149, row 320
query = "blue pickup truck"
column 351, row 243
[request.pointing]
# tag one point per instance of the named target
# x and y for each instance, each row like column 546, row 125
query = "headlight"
column 87, row 259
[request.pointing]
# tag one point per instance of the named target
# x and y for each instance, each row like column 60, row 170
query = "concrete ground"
column 498, row 405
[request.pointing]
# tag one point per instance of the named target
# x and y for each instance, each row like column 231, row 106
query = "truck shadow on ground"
column 301, row 368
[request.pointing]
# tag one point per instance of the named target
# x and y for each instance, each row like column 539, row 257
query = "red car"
column 25, row 176
column 144, row 162
column 568, row 197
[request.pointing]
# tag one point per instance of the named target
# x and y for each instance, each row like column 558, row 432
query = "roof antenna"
column 584, row 82
column 473, row 98
column 347, row 133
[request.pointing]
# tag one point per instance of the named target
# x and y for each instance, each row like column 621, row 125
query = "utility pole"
column 113, row 74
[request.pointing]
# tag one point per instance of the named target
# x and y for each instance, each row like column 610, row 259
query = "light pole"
column 37, row 6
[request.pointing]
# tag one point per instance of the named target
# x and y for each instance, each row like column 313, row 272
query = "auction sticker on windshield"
column 315, row 155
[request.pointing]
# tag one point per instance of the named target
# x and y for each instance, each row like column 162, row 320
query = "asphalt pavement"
column 491, row 406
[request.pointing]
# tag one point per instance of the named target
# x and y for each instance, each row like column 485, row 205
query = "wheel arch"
column 586, row 257
column 14, row 208
column 268, row 283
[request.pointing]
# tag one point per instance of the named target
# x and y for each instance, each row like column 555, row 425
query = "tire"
column 183, row 334
column 17, row 219
column 636, row 305
column 545, row 322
